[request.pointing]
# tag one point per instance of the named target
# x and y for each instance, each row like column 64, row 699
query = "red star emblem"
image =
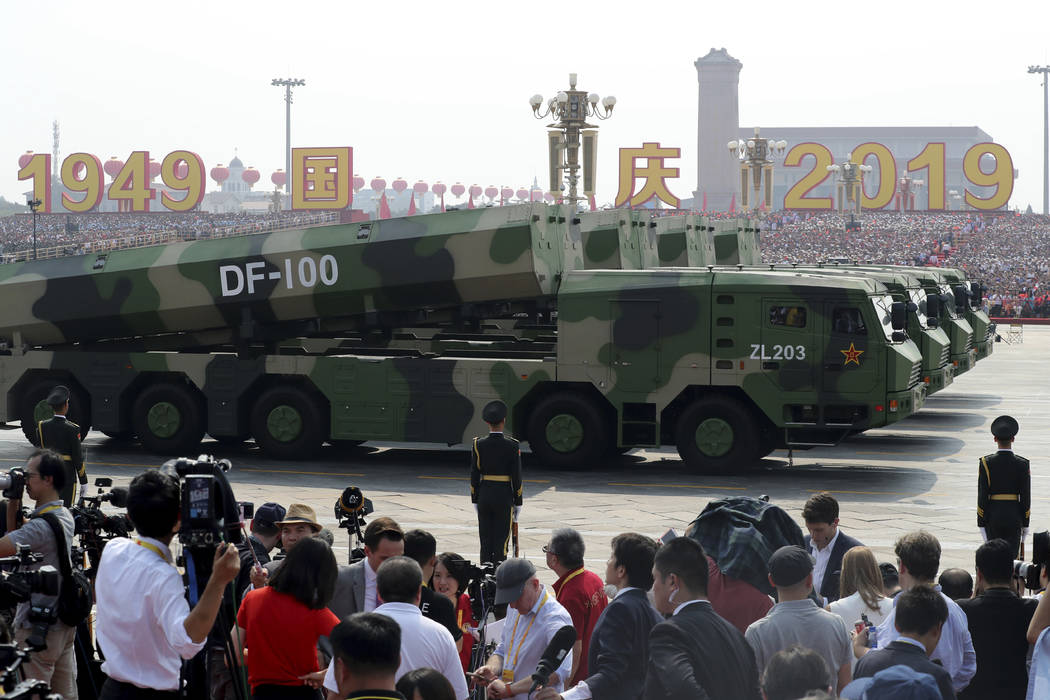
column 852, row 355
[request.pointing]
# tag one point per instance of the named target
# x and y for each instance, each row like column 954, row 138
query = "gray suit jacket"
column 349, row 596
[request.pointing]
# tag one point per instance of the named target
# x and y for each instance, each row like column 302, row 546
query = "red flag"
column 470, row 202
column 412, row 205
column 593, row 206
column 703, row 207
column 384, row 208
column 732, row 204
column 442, row 202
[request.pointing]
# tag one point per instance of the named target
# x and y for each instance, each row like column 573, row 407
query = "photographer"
column 45, row 476
column 144, row 624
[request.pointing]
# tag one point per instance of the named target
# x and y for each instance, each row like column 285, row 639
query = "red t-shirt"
column 281, row 636
column 465, row 620
column 737, row 601
column 582, row 593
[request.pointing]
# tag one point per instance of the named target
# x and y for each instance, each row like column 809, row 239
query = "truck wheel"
column 717, row 436
column 567, row 431
column 168, row 419
column 287, row 423
column 34, row 408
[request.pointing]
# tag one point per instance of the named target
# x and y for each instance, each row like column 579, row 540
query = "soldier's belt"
column 495, row 477
column 67, row 458
column 1004, row 497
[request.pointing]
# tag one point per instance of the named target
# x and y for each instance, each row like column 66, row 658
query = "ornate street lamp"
column 756, row 156
column 850, row 182
column 571, row 108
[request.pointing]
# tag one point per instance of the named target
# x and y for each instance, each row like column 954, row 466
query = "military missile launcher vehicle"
column 402, row 330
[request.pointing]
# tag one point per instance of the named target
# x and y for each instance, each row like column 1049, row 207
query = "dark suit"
column 619, row 652
column 697, row 655
column 495, row 488
column 829, row 587
column 998, row 621
column 63, row 436
column 1004, row 496
column 909, row 655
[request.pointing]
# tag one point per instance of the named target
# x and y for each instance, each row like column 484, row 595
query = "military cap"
column 494, row 412
column 1004, row 427
column 58, row 396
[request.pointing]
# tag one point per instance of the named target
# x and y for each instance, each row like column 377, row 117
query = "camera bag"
column 75, row 596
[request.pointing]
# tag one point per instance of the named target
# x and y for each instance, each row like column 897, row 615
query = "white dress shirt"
column 371, row 593
column 822, row 557
column 525, row 637
column 424, row 644
column 954, row 651
column 582, row 691
column 141, row 608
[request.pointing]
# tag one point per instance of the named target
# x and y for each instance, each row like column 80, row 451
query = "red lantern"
column 23, row 160
column 506, row 193
column 378, row 184
column 279, row 177
column 399, row 185
column 113, row 166
column 491, row 191
column 154, row 169
column 458, row 189
column 220, row 173
column 250, row 175
column 358, row 183
column 522, row 194
column 548, row 196
column 438, row 188
column 420, row 187
column 475, row 190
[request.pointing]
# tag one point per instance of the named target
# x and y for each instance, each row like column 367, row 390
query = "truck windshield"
column 918, row 297
column 949, row 304
column 882, row 306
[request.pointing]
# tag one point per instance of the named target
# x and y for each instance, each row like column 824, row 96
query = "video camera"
column 13, row 483
column 95, row 527
column 350, row 510
column 11, row 658
column 19, row 586
column 481, row 585
column 1029, row 571
column 210, row 513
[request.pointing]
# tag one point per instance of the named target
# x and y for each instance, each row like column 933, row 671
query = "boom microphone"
column 560, row 645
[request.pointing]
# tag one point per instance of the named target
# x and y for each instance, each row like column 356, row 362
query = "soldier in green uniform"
column 1004, row 489
column 63, row 436
column 495, row 483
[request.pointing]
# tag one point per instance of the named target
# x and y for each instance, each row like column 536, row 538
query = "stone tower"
column 718, row 123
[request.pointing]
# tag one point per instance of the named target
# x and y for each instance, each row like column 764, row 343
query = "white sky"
column 439, row 90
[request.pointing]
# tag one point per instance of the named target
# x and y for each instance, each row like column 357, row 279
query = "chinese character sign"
column 321, row 177
column 654, row 174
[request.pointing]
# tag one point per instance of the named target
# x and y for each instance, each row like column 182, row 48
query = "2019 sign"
column 930, row 159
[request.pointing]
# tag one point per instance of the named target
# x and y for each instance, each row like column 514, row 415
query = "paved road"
column 918, row 473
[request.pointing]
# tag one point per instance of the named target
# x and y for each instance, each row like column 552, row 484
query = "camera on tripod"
column 210, row 513
column 1029, row 571
column 19, row 586
column 481, row 585
column 11, row 658
column 13, row 483
column 95, row 527
column 350, row 510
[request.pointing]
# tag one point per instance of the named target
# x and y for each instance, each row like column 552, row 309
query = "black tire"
column 229, row 440
column 169, row 419
column 33, row 408
column 288, row 422
column 728, row 441
column 568, row 431
column 346, row 444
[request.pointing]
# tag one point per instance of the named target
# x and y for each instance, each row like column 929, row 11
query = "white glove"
column 517, row 509
column 1024, row 534
column 984, row 535
column 475, row 509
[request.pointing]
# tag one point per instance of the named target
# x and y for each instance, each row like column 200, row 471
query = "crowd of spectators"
column 1009, row 252
column 78, row 232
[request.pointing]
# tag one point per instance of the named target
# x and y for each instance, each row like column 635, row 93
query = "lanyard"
column 153, row 548
column 525, row 634
column 53, row 506
column 570, row 577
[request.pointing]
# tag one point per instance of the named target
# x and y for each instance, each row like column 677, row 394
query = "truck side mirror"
column 933, row 306
column 898, row 315
column 978, row 294
column 962, row 296
column 912, row 307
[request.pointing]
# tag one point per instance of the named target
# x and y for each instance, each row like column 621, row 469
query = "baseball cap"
column 266, row 518
column 790, row 565
column 511, row 577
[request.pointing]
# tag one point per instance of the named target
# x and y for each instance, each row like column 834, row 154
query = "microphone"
column 560, row 645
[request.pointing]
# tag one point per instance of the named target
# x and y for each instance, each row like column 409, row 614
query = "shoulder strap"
column 477, row 455
column 987, row 474
column 65, row 565
column 40, row 432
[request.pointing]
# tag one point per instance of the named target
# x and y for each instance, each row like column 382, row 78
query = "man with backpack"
column 47, row 531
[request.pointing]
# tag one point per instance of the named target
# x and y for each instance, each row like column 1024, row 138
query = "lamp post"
column 1045, row 70
column 33, row 205
column 756, row 156
column 571, row 108
column 850, row 177
column 288, row 84
column 907, row 188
